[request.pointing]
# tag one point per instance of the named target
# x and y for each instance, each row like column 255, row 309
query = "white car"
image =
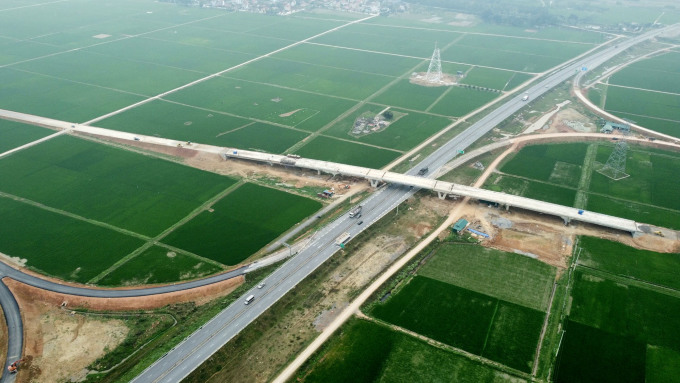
column 261, row 285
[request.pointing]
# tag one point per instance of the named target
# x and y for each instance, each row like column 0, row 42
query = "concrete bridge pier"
column 566, row 220
column 442, row 195
column 507, row 207
column 374, row 183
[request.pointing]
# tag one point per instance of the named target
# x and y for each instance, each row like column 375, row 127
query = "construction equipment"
column 14, row 367
column 659, row 233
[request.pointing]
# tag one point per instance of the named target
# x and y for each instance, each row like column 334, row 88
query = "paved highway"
column 15, row 330
column 188, row 355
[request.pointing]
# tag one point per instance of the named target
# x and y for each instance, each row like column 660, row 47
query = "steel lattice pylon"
column 434, row 71
column 615, row 168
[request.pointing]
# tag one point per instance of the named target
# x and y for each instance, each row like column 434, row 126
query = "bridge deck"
column 566, row 212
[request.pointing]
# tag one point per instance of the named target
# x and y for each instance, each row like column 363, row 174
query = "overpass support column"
column 566, row 220
column 507, row 207
column 441, row 195
column 374, row 183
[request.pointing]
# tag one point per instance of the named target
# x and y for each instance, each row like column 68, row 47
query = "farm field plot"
column 404, row 132
column 57, row 98
column 488, row 78
column 635, row 211
column 657, row 73
column 403, row 94
column 664, row 126
column 15, row 134
column 625, row 309
column 169, row 120
column 312, row 78
column 173, row 55
column 619, row 259
column 14, row 51
column 336, row 57
column 507, row 276
column 532, row 189
column 459, row 101
column 307, row 111
column 589, row 355
column 643, row 103
column 111, row 185
column 121, row 75
column 241, row 223
column 652, row 178
column 158, row 265
column 539, row 162
column 466, row 51
column 58, row 245
column 474, row 322
column 369, row 352
column 224, row 42
column 345, row 152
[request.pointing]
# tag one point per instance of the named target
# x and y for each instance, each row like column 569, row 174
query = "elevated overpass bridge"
column 376, row 176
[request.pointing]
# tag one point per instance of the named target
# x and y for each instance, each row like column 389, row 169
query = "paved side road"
column 15, row 330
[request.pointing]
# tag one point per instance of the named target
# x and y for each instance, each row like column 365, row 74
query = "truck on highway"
column 249, row 299
column 525, row 97
column 356, row 212
column 342, row 239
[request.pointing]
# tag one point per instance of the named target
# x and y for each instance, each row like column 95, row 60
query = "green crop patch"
column 179, row 122
column 444, row 312
column 136, row 192
column 488, row 78
column 14, row 134
column 287, row 107
column 336, row 57
column 459, row 101
column 663, row 365
column 657, row 73
column 241, row 223
column 404, row 94
column 400, row 41
column 23, row 50
column 313, row 78
column 58, row 98
column 190, row 57
column 532, row 189
column 404, row 129
column 619, row 259
column 635, row 211
column 330, row 149
column 626, row 310
column 643, row 103
column 589, row 355
column 368, row 352
column 122, row 75
column 516, row 80
column 58, row 245
column 513, row 336
column 539, row 161
column 158, row 265
column 670, row 127
column 507, row 276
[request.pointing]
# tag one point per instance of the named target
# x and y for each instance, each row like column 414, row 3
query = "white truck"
column 525, row 97
column 356, row 212
column 342, row 239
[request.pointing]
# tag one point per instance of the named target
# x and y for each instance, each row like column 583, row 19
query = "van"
column 249, row 299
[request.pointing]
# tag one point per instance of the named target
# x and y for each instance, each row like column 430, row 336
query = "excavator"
column 14, row 367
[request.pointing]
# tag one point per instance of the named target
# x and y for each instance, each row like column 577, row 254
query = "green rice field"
column 474, row 322
column 59, row 245
column 241, row 223
column 368, row 352
column 507, row 276
column 107, row 184
column 14, row 134
column 554, row 173
column 158, row 265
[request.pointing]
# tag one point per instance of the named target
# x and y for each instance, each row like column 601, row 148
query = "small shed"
column 459, row 226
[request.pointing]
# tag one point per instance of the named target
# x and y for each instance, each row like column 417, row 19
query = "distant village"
column 287, row 7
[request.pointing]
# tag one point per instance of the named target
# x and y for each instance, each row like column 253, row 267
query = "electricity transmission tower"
column 434, row 71
column 615, row 168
